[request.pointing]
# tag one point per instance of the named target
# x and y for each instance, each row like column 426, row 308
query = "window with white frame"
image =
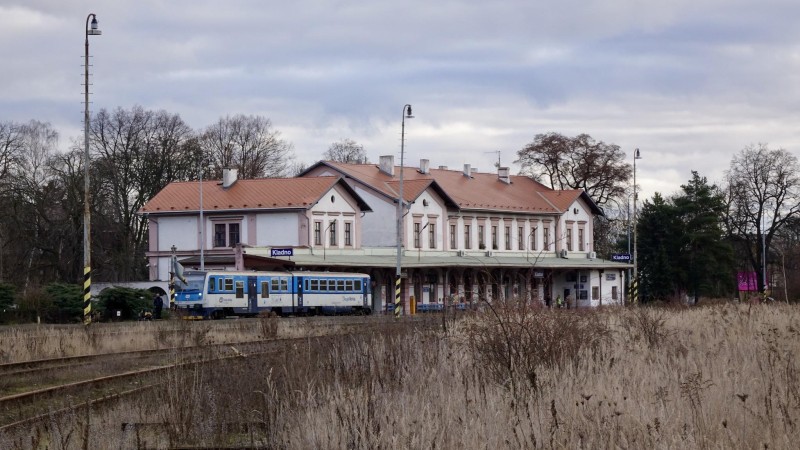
column 568, row 237
column 494, row 238
column 417, row 231
column 481, row 243
column 332, row 233
column 431, row 235
column 317, row 232
column 348, row 234
column 227, row 234
column 520, row 238
column 581, row 243
column 546, row 237
column 467, row 237
column 508, row 238
column 453, row 245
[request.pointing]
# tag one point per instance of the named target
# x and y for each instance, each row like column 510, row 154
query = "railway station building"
column 466, row 235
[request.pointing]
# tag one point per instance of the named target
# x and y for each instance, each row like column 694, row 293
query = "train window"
column 348, row 285
column 357, row 285
column 264, row 289
column 210, row 284
column 240, row 289
column 284, row 284
column 331, row 285
column 228, row 284
column 340, row 285
column 274, row 285
column 314, row 285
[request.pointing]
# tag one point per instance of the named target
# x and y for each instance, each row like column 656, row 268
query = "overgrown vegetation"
column 711, row 377
column 121, row 303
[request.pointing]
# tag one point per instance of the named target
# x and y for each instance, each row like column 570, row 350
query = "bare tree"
column 763, row 196
column 346, row 151
column 577, row 163
column 138, row 152
column 246, row 143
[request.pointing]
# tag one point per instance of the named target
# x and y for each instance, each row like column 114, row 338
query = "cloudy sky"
column 689, row 82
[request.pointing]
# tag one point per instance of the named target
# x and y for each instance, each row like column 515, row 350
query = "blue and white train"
column 216, row 294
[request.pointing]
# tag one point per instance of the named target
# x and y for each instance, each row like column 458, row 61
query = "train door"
column 299, row 292
column 252, row 294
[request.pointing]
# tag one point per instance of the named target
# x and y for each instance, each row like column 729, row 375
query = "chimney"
column 503, row 175
column 467, row 170
column 442, row 167
column 424, row 166
column 387, row 165
column 229, row 177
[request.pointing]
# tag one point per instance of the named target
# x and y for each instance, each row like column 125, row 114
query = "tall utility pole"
column 87, row 241
column 400, row 210
column 635, row 281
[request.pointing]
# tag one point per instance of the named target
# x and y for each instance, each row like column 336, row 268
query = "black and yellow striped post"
column 397, row 297
column 171, row 290
column 87, row 295
column 634, row 291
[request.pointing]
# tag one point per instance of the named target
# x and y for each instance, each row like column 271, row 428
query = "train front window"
column 193, row 283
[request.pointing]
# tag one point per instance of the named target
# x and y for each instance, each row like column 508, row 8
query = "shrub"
column 66, row 303
column 129, row 302
column 7, row 293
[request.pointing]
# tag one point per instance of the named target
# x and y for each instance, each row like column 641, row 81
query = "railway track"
column 34, row 391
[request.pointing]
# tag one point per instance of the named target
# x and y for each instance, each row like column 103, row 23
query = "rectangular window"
column 416, row 234
column 332, row 237
column 569, row 239
column 357, row 285
column 340, row 285
column 613, row 292
column 228, row 284
column 595, row 292
column 348, row 234
column 481, row 243
column 534, row 230
column 520, row 238
column 431, row 235
column 508, row 238
column 274, row 284
column 494, row 237
column 210, row 284
column 348, row 285
column 452, row 236
column 546, row 238
column 226, row 234
column 219, row 235
column 317, row 233
column 264, row 289
column 285, row 284
column 314, row 285
column 467, row 241
column 233, row 234
column 580, row 240
column 240, row 289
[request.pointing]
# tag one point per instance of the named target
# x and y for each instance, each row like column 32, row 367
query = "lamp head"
column 93, row 27
column 637, row 154
column 408, row 112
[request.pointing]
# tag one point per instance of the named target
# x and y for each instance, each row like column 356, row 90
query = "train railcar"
column 216, row 294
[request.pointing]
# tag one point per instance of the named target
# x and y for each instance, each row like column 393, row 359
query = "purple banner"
column 748, row 281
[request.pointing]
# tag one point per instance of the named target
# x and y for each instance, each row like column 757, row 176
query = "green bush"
column 7, row 293
column 129, row 302
column 66, row 303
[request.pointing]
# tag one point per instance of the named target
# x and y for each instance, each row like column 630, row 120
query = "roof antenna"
column 498, row 158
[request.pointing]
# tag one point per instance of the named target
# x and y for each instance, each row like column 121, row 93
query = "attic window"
column 424, row 202
column 333, row 198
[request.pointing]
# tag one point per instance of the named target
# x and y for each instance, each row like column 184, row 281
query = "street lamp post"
column 635, row 285
column 400, row 207
column 91, row 29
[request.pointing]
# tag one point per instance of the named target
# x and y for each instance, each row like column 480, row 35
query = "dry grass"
column 717, row 377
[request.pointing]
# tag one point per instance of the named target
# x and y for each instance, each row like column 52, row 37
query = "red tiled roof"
column 266, row 193
column 481, row 191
